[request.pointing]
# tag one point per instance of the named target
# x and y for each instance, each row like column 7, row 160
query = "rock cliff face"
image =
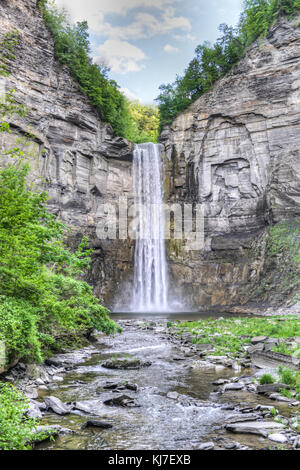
column 236, row 151
column 82, row 163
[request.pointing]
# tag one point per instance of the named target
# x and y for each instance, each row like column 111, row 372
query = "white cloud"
column 121, row 56
column 184, row 37
column 87, row 8
column 144, row 25
column 170, row 49
column 129, row 94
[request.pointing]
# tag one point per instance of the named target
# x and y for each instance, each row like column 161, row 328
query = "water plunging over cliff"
column 150, row 268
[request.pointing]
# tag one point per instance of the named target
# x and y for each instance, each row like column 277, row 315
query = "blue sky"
column 148, row 42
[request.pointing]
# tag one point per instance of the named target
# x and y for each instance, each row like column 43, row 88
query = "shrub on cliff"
column 131, row 120
column 41, row 301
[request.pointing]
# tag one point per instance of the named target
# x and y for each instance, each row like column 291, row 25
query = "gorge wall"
column 81, row 162
column 236, row 151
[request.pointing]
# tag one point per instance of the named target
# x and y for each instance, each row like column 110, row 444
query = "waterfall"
column 150, row 267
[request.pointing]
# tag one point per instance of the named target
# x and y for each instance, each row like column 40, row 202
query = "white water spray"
column 150, row 267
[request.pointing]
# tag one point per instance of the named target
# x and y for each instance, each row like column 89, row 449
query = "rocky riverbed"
column 149, row 389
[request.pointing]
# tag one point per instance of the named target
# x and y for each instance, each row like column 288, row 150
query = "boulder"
column 271, row 388
column 122, row 400
column 260, row 428
column 207, row 446
column 276, row 437
column 96, row 424
column 56, row 405
column 259, row 339
column 278, row 397
column 233, row 387
column 241, row 418
column 131, row 363
column 256, row 348
column 34, row 411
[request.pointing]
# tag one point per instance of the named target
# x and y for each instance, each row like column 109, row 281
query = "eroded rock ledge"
column 80, row 160
column 236, row 151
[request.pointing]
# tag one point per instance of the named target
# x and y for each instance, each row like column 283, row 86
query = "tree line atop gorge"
column 130, row 119
column 142, row 123
column 211, row 62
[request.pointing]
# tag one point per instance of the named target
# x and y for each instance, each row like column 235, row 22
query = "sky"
column 148, row 42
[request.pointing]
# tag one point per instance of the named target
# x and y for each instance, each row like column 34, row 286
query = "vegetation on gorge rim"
column 130, row 119
column 213, row 61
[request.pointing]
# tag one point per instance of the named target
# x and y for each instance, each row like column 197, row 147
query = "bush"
column 41, row 301
column 16, row 430
column 266, row 379
column 287, row 376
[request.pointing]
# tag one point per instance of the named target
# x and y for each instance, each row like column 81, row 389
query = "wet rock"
column 96, row 424
column 233, row 387
column 270, row 360
column 31, row 393
column 109, row 386
column 119, row 386
column 126, row 364
column 278, row 397
column 264, row 408
column 203, row 347
column 132, row 387
column 122, row 400
column 241, row 418
column 56, row 405
column 44, row 433
column 207, row 446
column 231, row 445
column 173, row 395
column 220, row 382
column 270, row 388
column 89, row 407
column 259, row 339
column 34, row 411
column 260, row 428
column 57, row 378
column 256, row 348
column 276, row 437
column 296, row 444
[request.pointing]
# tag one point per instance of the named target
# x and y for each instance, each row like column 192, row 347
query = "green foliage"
column 282, row 261
column 38, row 293
column 72, row 48
column 212, row 62
column 7, row 48
column 266, row 379
column 287, row 376
column 16, row 430
column 144, row 122
column 286, row 393
column 230, row 336
column 41, row 301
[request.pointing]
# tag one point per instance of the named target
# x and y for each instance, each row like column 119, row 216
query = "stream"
column 161, row 420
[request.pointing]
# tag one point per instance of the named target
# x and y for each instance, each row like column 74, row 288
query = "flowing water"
column 150, row 268
column 158, row 422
